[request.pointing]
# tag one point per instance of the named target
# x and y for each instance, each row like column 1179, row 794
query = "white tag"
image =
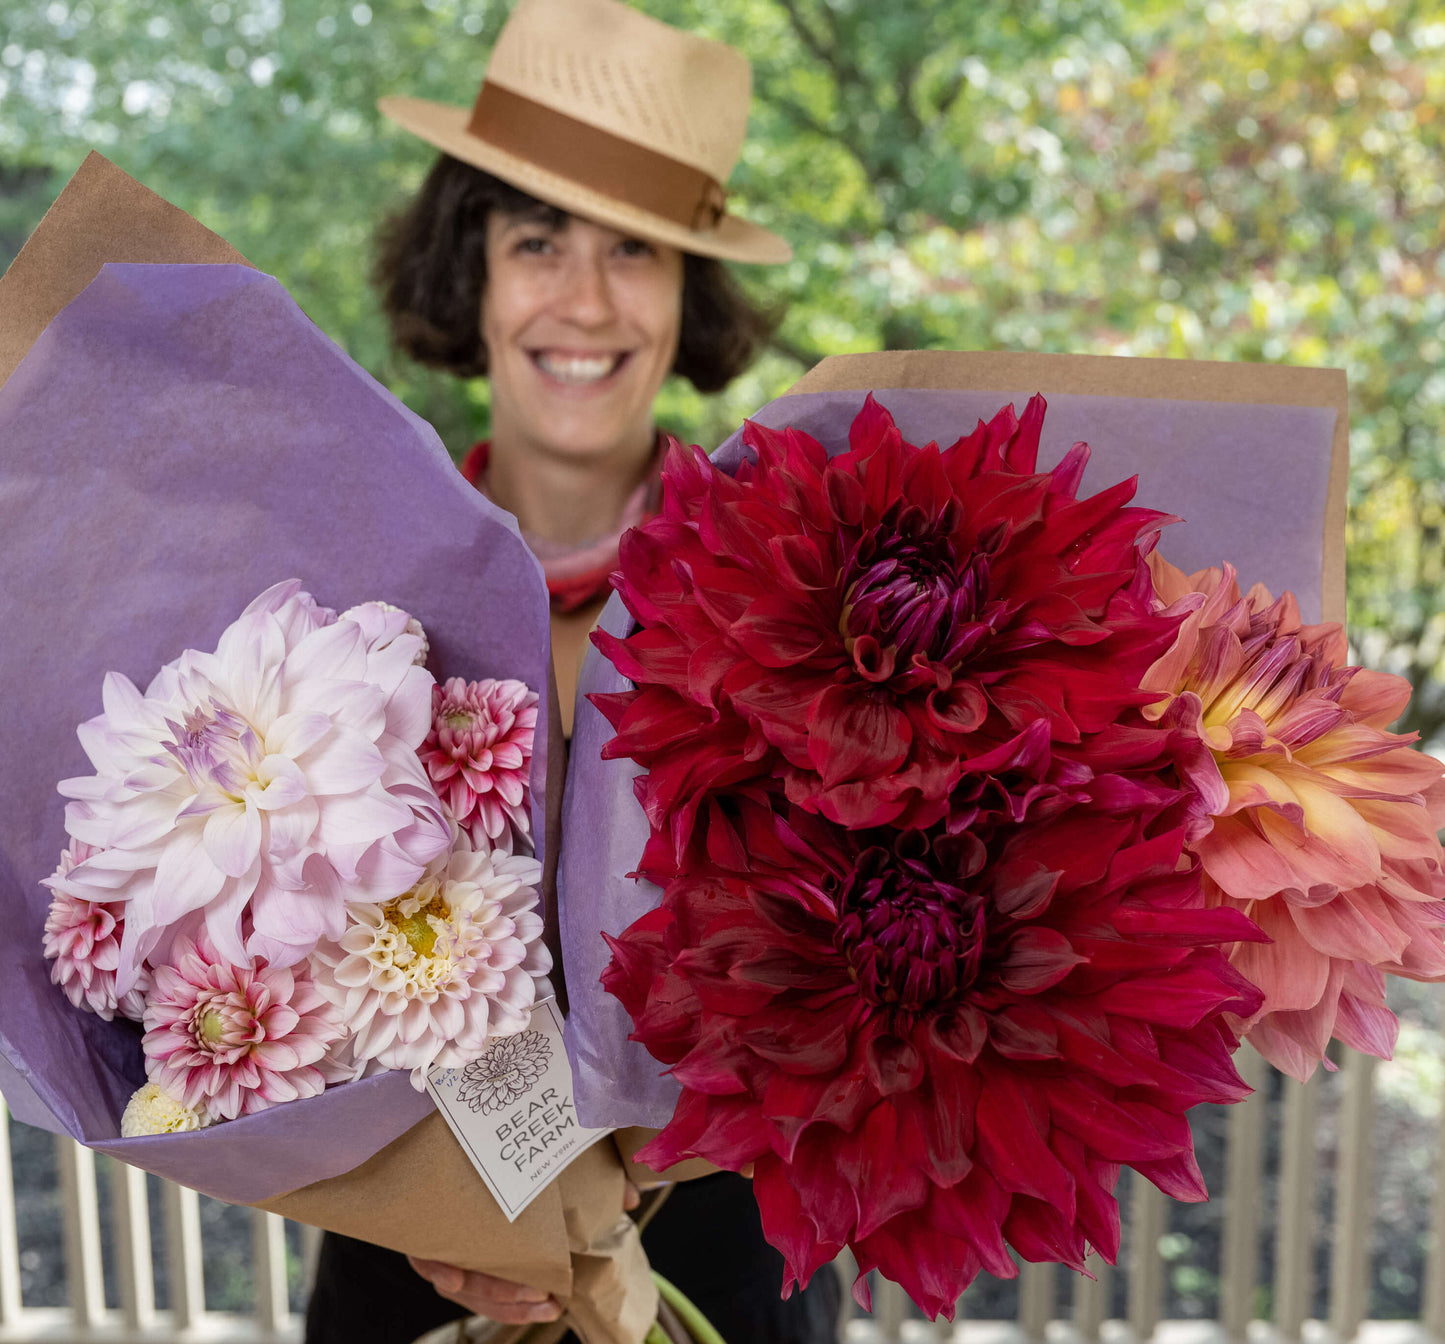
column 512, row 1110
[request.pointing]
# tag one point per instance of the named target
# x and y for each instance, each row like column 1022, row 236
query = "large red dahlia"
column 864, row 626
column 935, row 1046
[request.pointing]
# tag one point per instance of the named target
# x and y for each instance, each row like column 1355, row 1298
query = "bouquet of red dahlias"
column 929, row 941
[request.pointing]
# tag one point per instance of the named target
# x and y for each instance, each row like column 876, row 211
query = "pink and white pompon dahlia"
column 228, row 1040
column 259, row 788
column 432, row 976
column 82, row 939
column 478, row 753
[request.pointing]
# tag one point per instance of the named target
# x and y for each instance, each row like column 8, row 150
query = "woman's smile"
column 577, row 369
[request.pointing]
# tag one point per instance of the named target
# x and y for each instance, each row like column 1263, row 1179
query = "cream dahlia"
column 228, row 1040
column 430, row 977
column 261, row 787
column 478, row 754
column 380, row 625
column 1314, row 820
column 153, row 1111
column 82, row 938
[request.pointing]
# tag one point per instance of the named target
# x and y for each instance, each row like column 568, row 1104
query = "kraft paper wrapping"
column 1253, row 458
column 177, row 438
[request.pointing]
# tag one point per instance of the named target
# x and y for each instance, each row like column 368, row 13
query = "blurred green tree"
column 1237, row 179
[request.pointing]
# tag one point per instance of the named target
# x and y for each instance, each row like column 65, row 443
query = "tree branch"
column 807, row 36
column 790, row 350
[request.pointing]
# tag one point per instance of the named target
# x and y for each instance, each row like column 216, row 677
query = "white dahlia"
column 432, row 976
column 262, row 787
column 152, row 1110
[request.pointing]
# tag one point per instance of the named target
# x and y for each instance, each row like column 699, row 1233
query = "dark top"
column 707, row 1238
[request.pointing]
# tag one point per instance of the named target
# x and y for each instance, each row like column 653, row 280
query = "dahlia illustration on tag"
column 505, row 1073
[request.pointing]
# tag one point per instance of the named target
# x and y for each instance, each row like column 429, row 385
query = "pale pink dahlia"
column 1313, row 820
column 478, row 754
column 82, row 938
column 432, row 976
column 261, row 787
column 229, row 1040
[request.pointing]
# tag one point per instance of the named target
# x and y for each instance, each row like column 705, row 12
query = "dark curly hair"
column 431, row 267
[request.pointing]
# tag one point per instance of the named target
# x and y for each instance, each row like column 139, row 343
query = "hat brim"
column 733, row 239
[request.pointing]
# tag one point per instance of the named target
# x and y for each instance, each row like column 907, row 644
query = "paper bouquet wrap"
column 178, row 438
column 983, row 805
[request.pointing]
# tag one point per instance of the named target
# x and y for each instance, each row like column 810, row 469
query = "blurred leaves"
column 1239, row 179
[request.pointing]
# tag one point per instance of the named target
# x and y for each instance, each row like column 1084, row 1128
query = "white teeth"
column 574, row 369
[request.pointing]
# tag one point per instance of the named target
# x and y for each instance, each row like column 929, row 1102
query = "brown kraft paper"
column 422, row 1196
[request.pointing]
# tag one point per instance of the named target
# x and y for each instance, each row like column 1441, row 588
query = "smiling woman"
column 568, row 245
column 576, row 324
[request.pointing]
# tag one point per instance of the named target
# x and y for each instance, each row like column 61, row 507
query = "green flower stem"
column 702, row 1329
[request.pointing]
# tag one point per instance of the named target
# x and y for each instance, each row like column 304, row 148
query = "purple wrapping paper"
column 179, row 439
column 1250, row 482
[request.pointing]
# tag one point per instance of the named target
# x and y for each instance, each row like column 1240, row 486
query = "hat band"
column 597, row 159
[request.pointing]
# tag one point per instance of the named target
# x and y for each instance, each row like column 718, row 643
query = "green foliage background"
column 1239, row 179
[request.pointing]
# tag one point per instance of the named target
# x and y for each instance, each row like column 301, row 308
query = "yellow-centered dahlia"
column 430, row 977
column 1316, row 821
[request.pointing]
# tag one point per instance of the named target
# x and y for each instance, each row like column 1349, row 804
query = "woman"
column 566, row 246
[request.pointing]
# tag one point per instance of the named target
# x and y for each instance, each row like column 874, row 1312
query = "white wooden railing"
column 1044, row 1313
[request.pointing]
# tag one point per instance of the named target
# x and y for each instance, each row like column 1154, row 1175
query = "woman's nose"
column 586, row 295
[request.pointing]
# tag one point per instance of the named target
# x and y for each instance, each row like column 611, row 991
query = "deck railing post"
column 81, row 1214
column 1243, row 1162
column 1294, row 1237
column 134, row 1265
column 1354, row 1205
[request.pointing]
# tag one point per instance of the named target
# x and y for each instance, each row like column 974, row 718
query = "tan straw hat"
column 614, row 116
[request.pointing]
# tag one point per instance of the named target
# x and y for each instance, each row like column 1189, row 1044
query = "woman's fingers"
column 484, row 1295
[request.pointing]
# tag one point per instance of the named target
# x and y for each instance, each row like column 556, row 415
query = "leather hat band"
column 597, row 159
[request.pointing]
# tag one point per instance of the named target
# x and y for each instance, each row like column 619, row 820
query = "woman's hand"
column 497, row 1299
column 483, row 1295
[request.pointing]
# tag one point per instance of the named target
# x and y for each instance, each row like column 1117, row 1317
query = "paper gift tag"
column 512, row 1110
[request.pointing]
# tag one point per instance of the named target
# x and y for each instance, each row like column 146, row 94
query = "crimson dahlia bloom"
column 866, row 626
column 935, row 1046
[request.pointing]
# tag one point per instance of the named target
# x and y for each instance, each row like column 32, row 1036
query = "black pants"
column 706, row 1238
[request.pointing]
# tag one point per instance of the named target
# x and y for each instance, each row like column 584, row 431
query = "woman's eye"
column 636, row 247
column 533, row 246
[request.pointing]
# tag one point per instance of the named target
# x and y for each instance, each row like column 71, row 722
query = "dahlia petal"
column 232, row 838
column 848, row 736
column 185, row 877
column 1370, row 1028
column 786, row 1225
column 1012, row 1128
column 343, row 762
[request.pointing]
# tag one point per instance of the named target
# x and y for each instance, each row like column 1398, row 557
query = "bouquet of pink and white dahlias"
column 273, row 914
column 261, row 872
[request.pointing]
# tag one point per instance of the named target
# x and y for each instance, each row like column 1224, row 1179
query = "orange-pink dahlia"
column 1313, row 819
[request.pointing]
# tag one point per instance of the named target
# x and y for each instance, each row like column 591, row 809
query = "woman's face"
column 580, row 324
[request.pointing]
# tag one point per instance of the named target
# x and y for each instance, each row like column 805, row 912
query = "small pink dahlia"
column 228, row 1040
column 82, row 938
column 478, row 754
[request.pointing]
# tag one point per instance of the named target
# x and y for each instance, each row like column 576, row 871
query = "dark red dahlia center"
column 907, row 594
column 912, row 940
